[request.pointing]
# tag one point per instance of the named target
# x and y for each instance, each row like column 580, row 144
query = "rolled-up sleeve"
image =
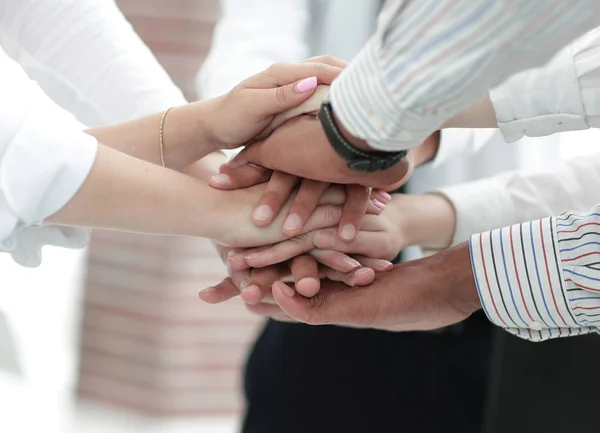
column 562, row 96
column 44, row 156
column 430, row 60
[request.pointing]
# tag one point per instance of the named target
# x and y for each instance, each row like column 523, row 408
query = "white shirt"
column 60, row 58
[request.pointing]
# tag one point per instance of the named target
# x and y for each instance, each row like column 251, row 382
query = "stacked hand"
column 291, row 263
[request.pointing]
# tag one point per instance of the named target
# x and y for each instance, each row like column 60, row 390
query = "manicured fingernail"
column 306, row 85
column 208, row 290
column 382, row 264
column 324, row 239
column 251, row 290
column 351, row 262
column 292, row 222
column 348, row 232
column 262, row 213
column 221, row 178
column 363, row 271
column 287, row 290
column 385, row 195
column 378, row 204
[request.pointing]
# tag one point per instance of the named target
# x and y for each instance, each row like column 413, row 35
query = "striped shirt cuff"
column 519, row 274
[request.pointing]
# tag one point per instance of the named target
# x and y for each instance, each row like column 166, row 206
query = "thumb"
column 250, row 154
column 286, row 97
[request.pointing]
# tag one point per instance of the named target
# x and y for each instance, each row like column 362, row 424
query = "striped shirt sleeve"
column 431, row 59
column 541, row 279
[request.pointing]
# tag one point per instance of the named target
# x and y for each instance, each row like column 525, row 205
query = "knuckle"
column 332, row 214
column 272, row 196
column 281, row 95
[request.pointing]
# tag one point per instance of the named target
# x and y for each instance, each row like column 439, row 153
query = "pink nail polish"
column 306, row 85
column 378, row 204
column 385, row 195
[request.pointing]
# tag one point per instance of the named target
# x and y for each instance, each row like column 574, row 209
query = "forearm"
column 416, row 73
column 125, row 193
column 185, row 136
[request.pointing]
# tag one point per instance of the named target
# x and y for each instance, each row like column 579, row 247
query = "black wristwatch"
column 357, row 159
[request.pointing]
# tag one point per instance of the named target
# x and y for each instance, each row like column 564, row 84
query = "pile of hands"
column 307, row 239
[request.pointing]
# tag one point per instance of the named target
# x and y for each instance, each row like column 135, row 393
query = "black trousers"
column 330, row 379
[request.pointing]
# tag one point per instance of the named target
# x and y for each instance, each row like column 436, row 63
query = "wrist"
column 187, row 135
column 425, row 220
column 454, row 273
column 354, row 141
column 426, row 151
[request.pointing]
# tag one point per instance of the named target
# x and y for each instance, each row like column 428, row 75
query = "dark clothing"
column 329, row 379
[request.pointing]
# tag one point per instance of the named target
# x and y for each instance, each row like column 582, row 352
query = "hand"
column 300, row 147
column 424, row 294
column 247, row 111
column 426, row 220
column 280, row 185
column 231, row 223
column 254, row 285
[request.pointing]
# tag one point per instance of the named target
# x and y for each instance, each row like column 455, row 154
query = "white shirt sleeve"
column 248, row 40
column 87, row 58
column 564, row 95
column 431, row 59
column 44, row 159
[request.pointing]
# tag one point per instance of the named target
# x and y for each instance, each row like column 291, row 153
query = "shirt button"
column 536, row 326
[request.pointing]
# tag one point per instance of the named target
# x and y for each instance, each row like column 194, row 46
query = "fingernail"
column 363, row 271
column 292, row 222
column 351, row 262
column 383, row 264
column 348, row 232
column 308, row 281
column 287, row 290
column 262, row 213
column 306, row 85
column 378, row 204
column 385, row 195
column 208, row 290
column 251, row 290
column 221, row 178
column 324, row 239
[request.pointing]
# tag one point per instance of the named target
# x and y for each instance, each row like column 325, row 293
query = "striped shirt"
column 541, row 279
column 430, row 59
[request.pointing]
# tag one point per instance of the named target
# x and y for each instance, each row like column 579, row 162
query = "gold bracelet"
column 160, row 136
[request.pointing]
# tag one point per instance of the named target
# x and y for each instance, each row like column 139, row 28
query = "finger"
column 306, row 275
column 375, row 207
column 221, row 292
column 272, row 311
column 381, row 196
column 328, row 60
column 276, row 194
column 337, row 304
column 336, row 260
column 265, row 256
column 240, row 177
column 323, row 216
column 359, row 277
column 378, row 265
column 371, row 244
column 357, row 200
column 303, row 206
column 269, row 102
column 280, row 74
column 249, row 155
column 261, row 281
